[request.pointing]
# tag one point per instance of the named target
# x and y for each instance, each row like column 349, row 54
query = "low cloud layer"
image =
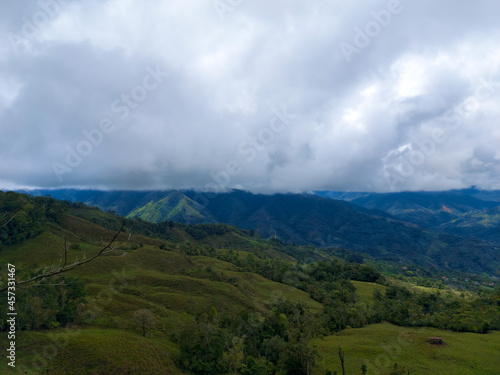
column 266, row 96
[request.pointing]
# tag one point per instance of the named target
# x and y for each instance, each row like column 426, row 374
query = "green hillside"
column 175, row 287
column 484, row 224
column 209, row 299
column 174, row 207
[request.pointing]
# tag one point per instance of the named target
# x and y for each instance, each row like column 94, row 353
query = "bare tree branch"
column 65, row 268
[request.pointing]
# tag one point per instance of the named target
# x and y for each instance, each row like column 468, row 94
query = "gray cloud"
column 417, row 108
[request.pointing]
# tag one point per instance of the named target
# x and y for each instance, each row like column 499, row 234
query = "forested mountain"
column 468, row 212
column 173, row 206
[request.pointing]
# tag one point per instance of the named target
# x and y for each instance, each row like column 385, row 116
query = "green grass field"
column 379, row 346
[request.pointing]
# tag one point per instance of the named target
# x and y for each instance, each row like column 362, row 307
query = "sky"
column 268, row 96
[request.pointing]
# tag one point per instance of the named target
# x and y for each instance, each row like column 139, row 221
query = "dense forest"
column 23, row 216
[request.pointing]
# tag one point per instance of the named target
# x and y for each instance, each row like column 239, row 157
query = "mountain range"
column 469, row 212
column 451, row 230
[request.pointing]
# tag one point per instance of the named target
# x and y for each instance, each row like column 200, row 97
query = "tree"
column 50, row 303
column 234, row 356
column 145, row 319
column 202, row 349
column 298, row 359
column 272, row 348
column 255, row 366
column 341, row 357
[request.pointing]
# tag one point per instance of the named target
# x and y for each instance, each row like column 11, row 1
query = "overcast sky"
column 281, row 95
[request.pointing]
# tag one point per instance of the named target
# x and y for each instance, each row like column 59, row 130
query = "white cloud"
column 354, row 121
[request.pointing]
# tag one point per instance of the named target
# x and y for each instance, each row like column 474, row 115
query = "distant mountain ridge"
column 467, row 212
column 305, row 219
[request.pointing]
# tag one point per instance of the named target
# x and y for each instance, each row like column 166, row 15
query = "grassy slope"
column 381, row 345
column 83, row 351
column 165, row 281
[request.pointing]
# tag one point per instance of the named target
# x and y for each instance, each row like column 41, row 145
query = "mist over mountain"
column 292, row 97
